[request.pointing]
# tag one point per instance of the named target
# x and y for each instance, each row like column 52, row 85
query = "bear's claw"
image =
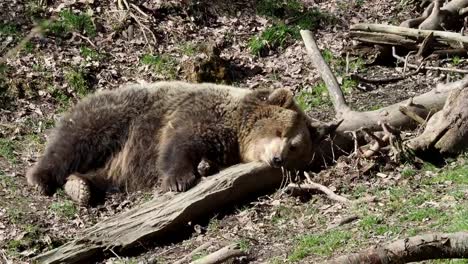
column 178, row 184
column 78, row 189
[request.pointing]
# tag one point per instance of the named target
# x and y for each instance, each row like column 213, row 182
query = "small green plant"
column 188, row 48
column 408, row 172
column 64, row 209
column 89, row 53
column 60, row 96
column 327, row 55
column 72, row 22
column 162, row 64
column 8, row 29
column 272, row 37
column 244, row 244
column 7, row 149
column 76, row 79
column 456, row 60
column 279, row 33
column 348, row 85
column 320, row 244
column 317, row 96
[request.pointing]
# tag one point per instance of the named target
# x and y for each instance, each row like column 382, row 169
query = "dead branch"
column 167, row 213
column 225, row 253
column 409, row 65
column 343, row 221
column 309, row 185
column 417, row 248
column 418, row 34
column 334, row 89
column 193, row 253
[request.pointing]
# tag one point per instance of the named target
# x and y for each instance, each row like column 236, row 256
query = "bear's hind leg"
column 87, row 189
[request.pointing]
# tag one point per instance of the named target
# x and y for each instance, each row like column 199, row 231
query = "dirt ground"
column 108, row 47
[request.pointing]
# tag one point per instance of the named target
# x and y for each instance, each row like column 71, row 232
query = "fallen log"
column 417, row 248
column 417, row 34
column 165, row 214
column 447, row 130
column 423, row 105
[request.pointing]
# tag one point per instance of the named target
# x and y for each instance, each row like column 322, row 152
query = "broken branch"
column 334, row 89
column 225, row 253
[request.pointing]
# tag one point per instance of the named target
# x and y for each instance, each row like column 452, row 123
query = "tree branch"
column 334, row 89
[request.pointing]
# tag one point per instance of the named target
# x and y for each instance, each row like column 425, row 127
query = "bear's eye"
column 263, row 98
column 292, row 148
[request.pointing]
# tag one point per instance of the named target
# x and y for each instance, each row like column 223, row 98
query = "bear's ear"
column 281, row 97
column 318, row 130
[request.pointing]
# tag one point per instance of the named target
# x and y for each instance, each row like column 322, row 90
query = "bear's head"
column 277, row 132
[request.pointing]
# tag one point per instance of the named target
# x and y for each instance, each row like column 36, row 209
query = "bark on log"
column 418, row 34
column 447, row 130
column 157, row 218
column 418, row 248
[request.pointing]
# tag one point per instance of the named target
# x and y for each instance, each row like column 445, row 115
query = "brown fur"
column 139, row 135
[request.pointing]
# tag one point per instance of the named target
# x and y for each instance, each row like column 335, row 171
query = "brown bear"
column 140, row 136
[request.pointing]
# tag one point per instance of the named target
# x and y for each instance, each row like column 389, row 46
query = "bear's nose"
column 277, row 162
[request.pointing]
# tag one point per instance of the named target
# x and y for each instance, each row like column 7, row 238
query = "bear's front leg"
column 178, row 161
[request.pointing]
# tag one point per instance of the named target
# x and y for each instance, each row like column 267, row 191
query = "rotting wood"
column 417, row 248
column 154, row 219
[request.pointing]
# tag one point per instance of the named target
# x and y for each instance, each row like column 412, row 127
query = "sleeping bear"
column 145, row 135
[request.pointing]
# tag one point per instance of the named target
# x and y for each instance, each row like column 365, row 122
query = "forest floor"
column 98, row 46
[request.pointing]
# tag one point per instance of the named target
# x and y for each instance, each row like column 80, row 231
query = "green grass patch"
column 281, row 34
column 458, row 175
column 91, row 54
column 316, row 96
column 319, row 244
column 9, row 29
column 7, row 149
column 76, row 79
column 65, row 209
column 69, row 21
column 162, row 64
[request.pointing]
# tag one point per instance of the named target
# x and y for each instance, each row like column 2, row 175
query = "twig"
column 138, row 9
column 221, row 255
column 318, row 187
column 85, row 38
column 315, row 186
column 193, row 253
column 427, row 67
column 336, row 94
column 344, row 221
